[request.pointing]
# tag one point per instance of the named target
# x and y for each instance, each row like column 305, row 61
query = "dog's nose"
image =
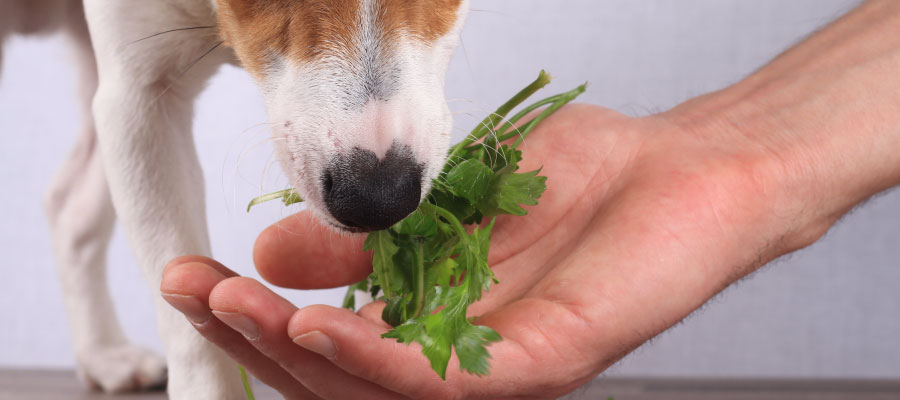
column 366, row 193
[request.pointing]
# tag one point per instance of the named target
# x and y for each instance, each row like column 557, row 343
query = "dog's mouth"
column 328, row 220
column 344, row 228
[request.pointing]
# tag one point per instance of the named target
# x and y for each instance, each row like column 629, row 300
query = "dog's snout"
column 366, row 193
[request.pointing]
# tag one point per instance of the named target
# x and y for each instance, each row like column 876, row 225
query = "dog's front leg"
column 143, row 111
column 81, row 218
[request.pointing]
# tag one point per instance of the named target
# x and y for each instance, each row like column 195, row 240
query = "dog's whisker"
column 170, row 31
column 256, row 145
column 224, row 168
column 239, row 177
column 235, row 172
column 470, row 112
column 483, row 11
column 460, row 100
column 185, row 70
column 265, row 171
column 486, row 11
column 462, row 45
column 480, row 111
column 518, row 133
column 255, row 127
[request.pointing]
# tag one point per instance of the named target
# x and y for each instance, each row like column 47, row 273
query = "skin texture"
column 643, row 221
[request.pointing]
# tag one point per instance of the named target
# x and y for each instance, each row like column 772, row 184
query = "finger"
column 298, row 252
column 373, row 311
column 353, row 343
column 186, row 285
column 262, row 317
column 200, row 259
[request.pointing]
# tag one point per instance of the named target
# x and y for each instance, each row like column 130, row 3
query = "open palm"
column 631, row 235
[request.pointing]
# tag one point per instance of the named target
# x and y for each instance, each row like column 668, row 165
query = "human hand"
column 642, row 222
column 632, row 234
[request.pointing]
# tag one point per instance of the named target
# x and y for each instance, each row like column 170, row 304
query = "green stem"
column 488, row 123
column 511, row 121
column 247, row 389
column 420, row 279
column 350, row 296
column 560, row 101
column 288, row 196
column 426, row 206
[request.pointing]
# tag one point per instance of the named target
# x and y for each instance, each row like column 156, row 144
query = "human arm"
column 644, row 220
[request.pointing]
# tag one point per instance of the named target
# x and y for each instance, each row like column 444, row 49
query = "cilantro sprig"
column 429, row 267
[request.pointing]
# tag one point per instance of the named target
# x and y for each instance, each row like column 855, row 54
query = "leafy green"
column 428, row 268
column 350, row 296
column 469, row 180
column 383, row 248
column 507, row 190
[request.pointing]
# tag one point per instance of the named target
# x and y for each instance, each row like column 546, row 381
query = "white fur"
column 136, row 155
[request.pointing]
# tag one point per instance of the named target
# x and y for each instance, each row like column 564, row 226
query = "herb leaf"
column 469, row 179
column 384, row 248
column 471, row 348
column 508, row 190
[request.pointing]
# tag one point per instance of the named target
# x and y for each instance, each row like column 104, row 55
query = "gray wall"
column 830, row 310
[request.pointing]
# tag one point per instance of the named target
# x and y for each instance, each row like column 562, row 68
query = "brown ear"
column 297, row 29
column 425, row 20
column 245, row 9
column 254, row 29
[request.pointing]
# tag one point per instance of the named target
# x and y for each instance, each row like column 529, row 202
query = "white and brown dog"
column 354, row 91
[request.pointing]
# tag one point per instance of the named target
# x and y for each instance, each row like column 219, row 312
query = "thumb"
column 299, row 252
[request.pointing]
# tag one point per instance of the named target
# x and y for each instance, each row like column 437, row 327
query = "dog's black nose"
column 366, row 193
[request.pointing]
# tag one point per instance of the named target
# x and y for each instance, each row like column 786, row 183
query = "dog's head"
column 355, row 92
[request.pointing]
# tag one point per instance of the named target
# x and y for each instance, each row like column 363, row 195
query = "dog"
column 354, row 90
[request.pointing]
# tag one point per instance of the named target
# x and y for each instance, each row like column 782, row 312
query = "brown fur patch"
column 306, row 29
column 425, row 20
column 298, row 29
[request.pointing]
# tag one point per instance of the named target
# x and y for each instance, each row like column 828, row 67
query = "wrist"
column 823, row 119
column 811, row 163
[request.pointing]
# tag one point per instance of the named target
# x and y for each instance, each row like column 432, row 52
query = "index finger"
column 299, row 252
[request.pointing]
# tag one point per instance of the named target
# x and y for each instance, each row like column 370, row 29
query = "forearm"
column 826, row 116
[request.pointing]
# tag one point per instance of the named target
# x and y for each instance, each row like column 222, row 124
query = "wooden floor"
column 62, row 385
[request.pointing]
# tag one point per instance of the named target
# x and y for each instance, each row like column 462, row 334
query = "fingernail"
column 317, row 342
column 190, row 306
column 240, row 323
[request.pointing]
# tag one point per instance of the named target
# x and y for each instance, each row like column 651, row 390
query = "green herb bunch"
column 428, row 267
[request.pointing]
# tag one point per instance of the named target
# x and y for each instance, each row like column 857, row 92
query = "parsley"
column 428, row 267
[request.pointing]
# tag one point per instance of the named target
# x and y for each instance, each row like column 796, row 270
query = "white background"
column 831, row 310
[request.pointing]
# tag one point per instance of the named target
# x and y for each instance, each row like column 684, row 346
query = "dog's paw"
column 121, row 369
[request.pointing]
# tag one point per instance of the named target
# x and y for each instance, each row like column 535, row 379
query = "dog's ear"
column 296, row 29
column 423, row 20
column 239, row 17
column 243, row 10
